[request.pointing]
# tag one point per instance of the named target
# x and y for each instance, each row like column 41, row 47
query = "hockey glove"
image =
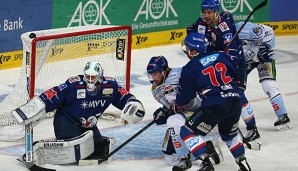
column 30, row 112
column 265, row 53
column 161, row 115
column 133, row 111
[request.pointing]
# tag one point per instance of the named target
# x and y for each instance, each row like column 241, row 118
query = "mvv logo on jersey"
column 92, row 104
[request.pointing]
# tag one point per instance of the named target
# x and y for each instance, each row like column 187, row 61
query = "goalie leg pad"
column 64, row 151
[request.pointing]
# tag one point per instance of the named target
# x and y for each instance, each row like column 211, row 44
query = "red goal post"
column 51, row 56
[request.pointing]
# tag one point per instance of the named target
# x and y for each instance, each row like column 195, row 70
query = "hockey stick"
column 105, row 158
column 29, row 128
column 262, row 4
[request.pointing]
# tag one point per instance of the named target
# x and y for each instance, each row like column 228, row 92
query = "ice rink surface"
column 279, row 150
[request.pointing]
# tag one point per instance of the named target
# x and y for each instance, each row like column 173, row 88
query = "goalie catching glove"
column 133, row 111
column 30, row 112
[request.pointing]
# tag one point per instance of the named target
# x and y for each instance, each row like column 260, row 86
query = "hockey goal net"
column 50, row 57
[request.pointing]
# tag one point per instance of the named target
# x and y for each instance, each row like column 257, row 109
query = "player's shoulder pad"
column 174, row 75
column 109, row 81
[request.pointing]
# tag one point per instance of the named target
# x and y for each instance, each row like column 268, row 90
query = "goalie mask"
column 93, row 76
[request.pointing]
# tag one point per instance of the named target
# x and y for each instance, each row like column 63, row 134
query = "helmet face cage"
column 93, row 74
column 157, row 64
column 196, row 41
column 251, row 33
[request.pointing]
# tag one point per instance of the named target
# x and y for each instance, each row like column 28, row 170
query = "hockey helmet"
column 213, row 5
column 157, row 63
column 196, row 41
column 251, row 32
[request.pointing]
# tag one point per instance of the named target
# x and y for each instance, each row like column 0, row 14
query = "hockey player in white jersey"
column 164, row 89
column 258, row 41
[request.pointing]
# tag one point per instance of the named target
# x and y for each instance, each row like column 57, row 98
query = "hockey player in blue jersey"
column 213, row 76
column 258, row 41
column 78, row 103
column 220, row 29
column 164, row 89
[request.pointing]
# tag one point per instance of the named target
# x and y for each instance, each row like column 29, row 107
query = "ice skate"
column 282, row 123
column 243, row 165
column 214, row 151
column 186, row 163
column 206, row 165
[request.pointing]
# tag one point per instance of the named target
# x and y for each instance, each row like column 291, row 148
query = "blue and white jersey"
column 71, row 99
column 165, row 94
column 212, row 76
column 251, row 48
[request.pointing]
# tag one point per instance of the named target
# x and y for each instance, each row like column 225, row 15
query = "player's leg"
column 198, row 125
column 228, row 130
column 247, row 113
column 174, row 124
column 267, row 75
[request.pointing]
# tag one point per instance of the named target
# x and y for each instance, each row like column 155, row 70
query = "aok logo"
column 90, row 14
column 156, row 9
column 233, row 5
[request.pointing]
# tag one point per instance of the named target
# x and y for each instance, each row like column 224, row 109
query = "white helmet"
column 93, row 74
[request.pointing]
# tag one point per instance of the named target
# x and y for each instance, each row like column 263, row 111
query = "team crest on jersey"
column 81, row 93
column 223, row 26
column 227, row 38
column 201, row 29
column 107, row 92
column 168, row 89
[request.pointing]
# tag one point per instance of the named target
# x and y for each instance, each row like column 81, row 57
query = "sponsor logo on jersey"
column 208, row 60
column 201, row 29
column 223, row 26
column 192, row 142
column 204, row 127
column 176, row 143
column 62, row 86
column 81, row 93
column 227, row 38
column 92, row 104
column 107, row 92
column 168, row 89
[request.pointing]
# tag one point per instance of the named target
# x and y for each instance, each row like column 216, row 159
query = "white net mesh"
column 62, row 53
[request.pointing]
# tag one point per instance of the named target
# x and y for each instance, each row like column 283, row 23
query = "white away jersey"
column 166, row 93
column 251, row 49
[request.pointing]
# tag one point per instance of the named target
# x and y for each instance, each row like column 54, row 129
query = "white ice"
column 279, row 150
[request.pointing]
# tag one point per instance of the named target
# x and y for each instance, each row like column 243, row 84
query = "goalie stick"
column 105, row 158
column 262, row 4
column 29, row 128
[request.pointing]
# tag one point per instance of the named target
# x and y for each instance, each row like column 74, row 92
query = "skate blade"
column 283, row 127
column 255, row 145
